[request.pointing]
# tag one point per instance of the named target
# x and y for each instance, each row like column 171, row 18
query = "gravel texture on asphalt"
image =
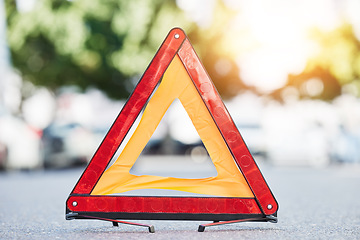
column 315, row 203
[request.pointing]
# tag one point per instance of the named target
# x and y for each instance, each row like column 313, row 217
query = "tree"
column 97, row 43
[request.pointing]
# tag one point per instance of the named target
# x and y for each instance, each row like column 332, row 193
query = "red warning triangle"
column 89, row 200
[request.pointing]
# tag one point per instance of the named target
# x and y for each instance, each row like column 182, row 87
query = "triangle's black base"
column 165, row 216
column 270, row 218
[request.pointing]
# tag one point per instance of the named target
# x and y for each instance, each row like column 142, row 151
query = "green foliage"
column 97, row 43
column 106, row 44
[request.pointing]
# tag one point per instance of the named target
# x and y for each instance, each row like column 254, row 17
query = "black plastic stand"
column 270, row 218
column 116, row 222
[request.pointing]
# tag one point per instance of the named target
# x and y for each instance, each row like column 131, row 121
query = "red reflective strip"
column 227, row 128
column 163, row 205
column 129, row 113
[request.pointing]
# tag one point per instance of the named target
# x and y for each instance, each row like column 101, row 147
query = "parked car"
column 66, row 145
column 3, row 155
column 253, row 135
column 20, row 145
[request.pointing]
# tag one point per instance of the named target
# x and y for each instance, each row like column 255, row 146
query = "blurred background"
column 288, row 71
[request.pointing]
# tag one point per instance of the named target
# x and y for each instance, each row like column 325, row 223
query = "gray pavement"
column 321, row 203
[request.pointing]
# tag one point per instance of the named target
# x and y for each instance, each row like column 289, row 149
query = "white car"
column 21, row 143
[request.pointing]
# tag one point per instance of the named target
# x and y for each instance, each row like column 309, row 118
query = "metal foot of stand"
column 216, row 223
column 116, row 222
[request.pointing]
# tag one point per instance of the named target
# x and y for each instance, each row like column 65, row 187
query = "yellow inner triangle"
column 176, row 83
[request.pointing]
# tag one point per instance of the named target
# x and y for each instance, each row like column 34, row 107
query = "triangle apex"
column 178, row 33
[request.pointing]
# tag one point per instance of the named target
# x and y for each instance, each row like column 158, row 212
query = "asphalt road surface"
column 322, row 203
